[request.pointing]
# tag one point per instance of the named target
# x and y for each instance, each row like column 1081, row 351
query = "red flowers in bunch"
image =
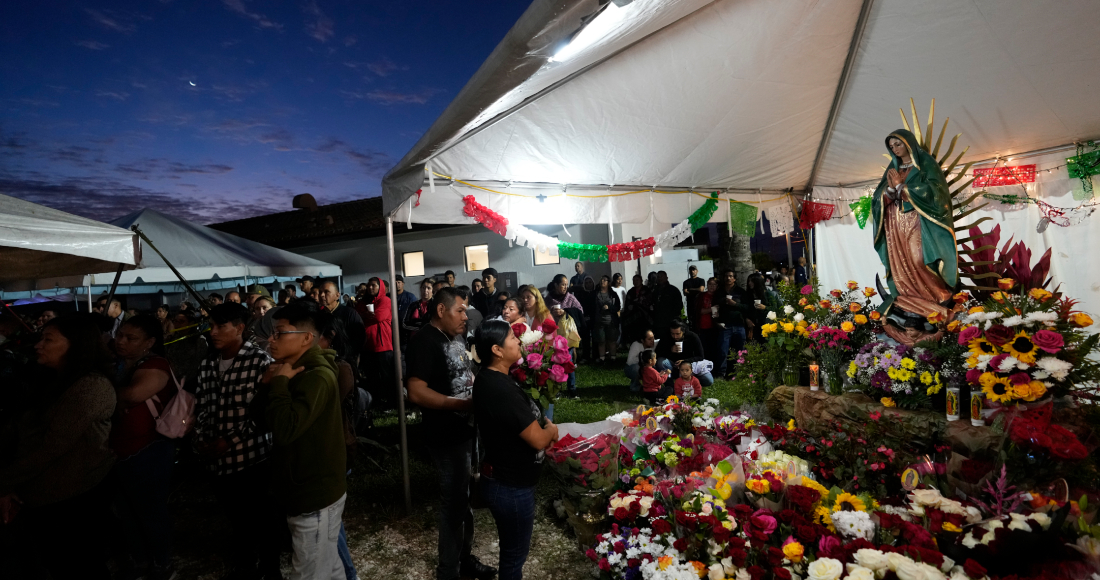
column 518, row 329
column 1057, row 440
column 802, row 497
column 549, row 326
column 484, row 216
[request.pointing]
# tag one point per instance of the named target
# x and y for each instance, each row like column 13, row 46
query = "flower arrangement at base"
column 621, row 552
column 546, row 363
column 588, row 467
column 908, row 376
column 832, row 346
column 1024, row 345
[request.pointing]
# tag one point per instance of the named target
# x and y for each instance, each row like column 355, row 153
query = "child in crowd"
column 651, row 379
column 687, row 385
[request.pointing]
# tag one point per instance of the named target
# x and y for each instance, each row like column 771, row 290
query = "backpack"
column 178, row 417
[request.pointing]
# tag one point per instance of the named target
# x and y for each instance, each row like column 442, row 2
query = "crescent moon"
column 192, row 84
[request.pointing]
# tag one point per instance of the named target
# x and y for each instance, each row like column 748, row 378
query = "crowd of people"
column 275, row 390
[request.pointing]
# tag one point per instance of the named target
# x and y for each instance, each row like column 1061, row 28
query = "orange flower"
column 860, row 319
column 887, row 402
column 876, row 315
column 836, row 293
column 953, row 326
column 825, row 304
column 976, row 310
column 700, row 568
column 847, row 326
column 961, row 297
column 869, row 292
column 853, row 285
column 802, row 302
column 1006, row 283
column 935, row 318
column 998, row 297
column 1081, row 319
column 810, row 308
column 854, row 306
column 1040, row 294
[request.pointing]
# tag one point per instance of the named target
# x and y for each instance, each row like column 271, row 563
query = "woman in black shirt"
column 514, row 440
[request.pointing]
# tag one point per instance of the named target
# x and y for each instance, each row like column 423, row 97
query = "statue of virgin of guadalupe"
column 915, row 239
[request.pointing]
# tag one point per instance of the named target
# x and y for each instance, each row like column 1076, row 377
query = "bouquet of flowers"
column 832, row 346
column 1024, row 345
column 546, row 363
column 900, row 376
column 621, row 552
column 850, row 310
column 587, row 462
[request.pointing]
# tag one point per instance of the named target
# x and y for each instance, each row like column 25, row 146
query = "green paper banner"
column 743, row 218
column 1083, row 167
column 582, row 252
column 861, row 208
column 701, row 216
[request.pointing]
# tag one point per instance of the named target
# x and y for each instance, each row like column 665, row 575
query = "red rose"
column 605, row 565
column 680, row 544
column 520, row 375
column 781, row 573
column 542, row 378
column 591, row 554
column 974, row 569
column 757, row 572
column 1048, row 340
column 973, row 375
column 775, row 556
column 738, row 555
column 685, row 519
column 661, row 526
column 968, row 334
column 721, row 535
column 999, row 334
column 549, row 326
column 1019, row 378
column 621, row 513
column 620, row 547
column 518, row 329
column 807, row 534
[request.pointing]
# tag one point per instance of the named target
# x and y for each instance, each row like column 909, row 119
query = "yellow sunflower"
column 982, row 346
column 1022, row 348
column 824, row 517
column 847, row 502
column 987, row 379
column 807, row 482
column 1000, row 391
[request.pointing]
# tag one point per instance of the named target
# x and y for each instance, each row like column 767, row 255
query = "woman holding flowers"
column 515, row 435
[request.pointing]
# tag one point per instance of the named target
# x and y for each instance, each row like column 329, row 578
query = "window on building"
column 413, row 263
column 477, row 258
column 544, row 258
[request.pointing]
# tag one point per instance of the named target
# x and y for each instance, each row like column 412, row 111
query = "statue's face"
column 898, row 148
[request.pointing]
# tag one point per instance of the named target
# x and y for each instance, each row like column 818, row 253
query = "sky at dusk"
column 221, row 109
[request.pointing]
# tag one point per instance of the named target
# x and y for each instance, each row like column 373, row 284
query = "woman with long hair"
column 52, row 491
column 534, row 307
column 143, row 474
column 515, row 436
column 513, row 312
column 606, row 333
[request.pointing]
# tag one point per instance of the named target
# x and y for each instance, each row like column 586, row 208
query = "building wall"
column 445, row 250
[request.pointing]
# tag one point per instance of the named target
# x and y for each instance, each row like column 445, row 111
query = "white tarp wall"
column 845, row 252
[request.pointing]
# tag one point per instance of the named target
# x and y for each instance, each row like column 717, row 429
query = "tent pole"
column 842, row 87
column 397, row 366
column 790, row 256
column 114, row 286
column 89, row 279
column 201, row 302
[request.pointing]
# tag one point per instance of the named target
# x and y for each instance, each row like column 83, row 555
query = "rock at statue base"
column 780, row 403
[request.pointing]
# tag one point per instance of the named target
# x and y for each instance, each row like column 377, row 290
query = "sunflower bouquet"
column 901, row 376
column 1023, row 346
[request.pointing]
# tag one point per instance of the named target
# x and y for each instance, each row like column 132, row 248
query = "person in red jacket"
column 377, row 360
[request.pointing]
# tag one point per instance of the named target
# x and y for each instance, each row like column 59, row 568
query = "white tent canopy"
column 202, row 253
column 749, row 97
column 38, row 242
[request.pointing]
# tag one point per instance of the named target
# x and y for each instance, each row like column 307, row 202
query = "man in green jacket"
column 301, row 407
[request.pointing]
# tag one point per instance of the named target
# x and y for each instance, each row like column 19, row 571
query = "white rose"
column 973, row 515
column 771, row 315
column 825, row 569
column 894, row 560
column 926, row 497
column 799, row 317
column 970, row 541
column 948, row 564
column 743, row 574
column 859, row 573
column 911, row 571
column 716, row 572
column 957, row 573
column 1041, row 519
column 727, row 565
column 872, row 559
column 787, row 309
column 645, row 504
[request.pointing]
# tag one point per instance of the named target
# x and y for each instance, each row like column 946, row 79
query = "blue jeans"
column 631, row 372
column 513, row 509
column 456, row 519
column 143, row 482
column 345, row 555
column 729, row 337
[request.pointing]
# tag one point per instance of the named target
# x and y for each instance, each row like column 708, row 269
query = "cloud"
column 318, row 25
column 260, row 20
column 112, row 20
column 164, row 169
column 280, row 138
column 374, row 163
column 350, row 40
column 395, row 97
column 118, row 96
column 382, row 67
column 92, row 44
column 39, row 103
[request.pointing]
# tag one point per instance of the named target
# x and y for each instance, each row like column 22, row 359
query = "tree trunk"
column 741, row 257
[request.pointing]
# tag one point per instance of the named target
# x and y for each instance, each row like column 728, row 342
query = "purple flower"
column 880, row 380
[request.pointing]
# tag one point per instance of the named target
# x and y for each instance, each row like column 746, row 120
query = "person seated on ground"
column 681, row 345
column 646, row 342
column 534, row 308
column 418, row 314
column 652, row 381
column 515, row 437
column 299, row 402
column 53, row 486
column 686, row 384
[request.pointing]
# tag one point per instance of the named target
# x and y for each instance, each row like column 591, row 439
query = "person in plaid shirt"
column 236, row 450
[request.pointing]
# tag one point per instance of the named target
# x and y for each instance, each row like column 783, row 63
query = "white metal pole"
column 397, row 366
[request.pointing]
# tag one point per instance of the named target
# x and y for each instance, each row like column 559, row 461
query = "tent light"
column 591, row 31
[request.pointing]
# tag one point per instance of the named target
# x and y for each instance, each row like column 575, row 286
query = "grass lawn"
column 385, row 541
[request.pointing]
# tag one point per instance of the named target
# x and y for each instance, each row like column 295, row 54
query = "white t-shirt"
column 621, row 292
column 636, row 349
column 224, row 364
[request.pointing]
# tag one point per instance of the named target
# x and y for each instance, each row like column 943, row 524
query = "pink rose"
column 561, row 357
column 534, row 360
column 560, row 343
column 827, row 544
column 973, row 375
column 995, row 362
column 1048, row 340
column 968, row 334
column 558, row 374
column 1019, row 378
column 807, row 289
column 766, row 523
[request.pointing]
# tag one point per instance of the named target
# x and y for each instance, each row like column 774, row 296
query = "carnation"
column 853, row 525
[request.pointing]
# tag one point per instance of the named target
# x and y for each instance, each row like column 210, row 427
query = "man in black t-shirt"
column 488, row 301
column 441, row 380
column 693, row 287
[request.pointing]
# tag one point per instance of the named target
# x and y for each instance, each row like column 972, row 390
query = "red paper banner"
column 813, row 212
column 484, row 215
column 628, row 251
column 1008, row 175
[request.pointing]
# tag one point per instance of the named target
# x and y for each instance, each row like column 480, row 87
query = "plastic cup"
column 370, row 308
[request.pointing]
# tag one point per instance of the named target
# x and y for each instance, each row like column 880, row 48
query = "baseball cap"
column 257, row 289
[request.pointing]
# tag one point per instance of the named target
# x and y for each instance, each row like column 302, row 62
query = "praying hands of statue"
column 896, row 189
